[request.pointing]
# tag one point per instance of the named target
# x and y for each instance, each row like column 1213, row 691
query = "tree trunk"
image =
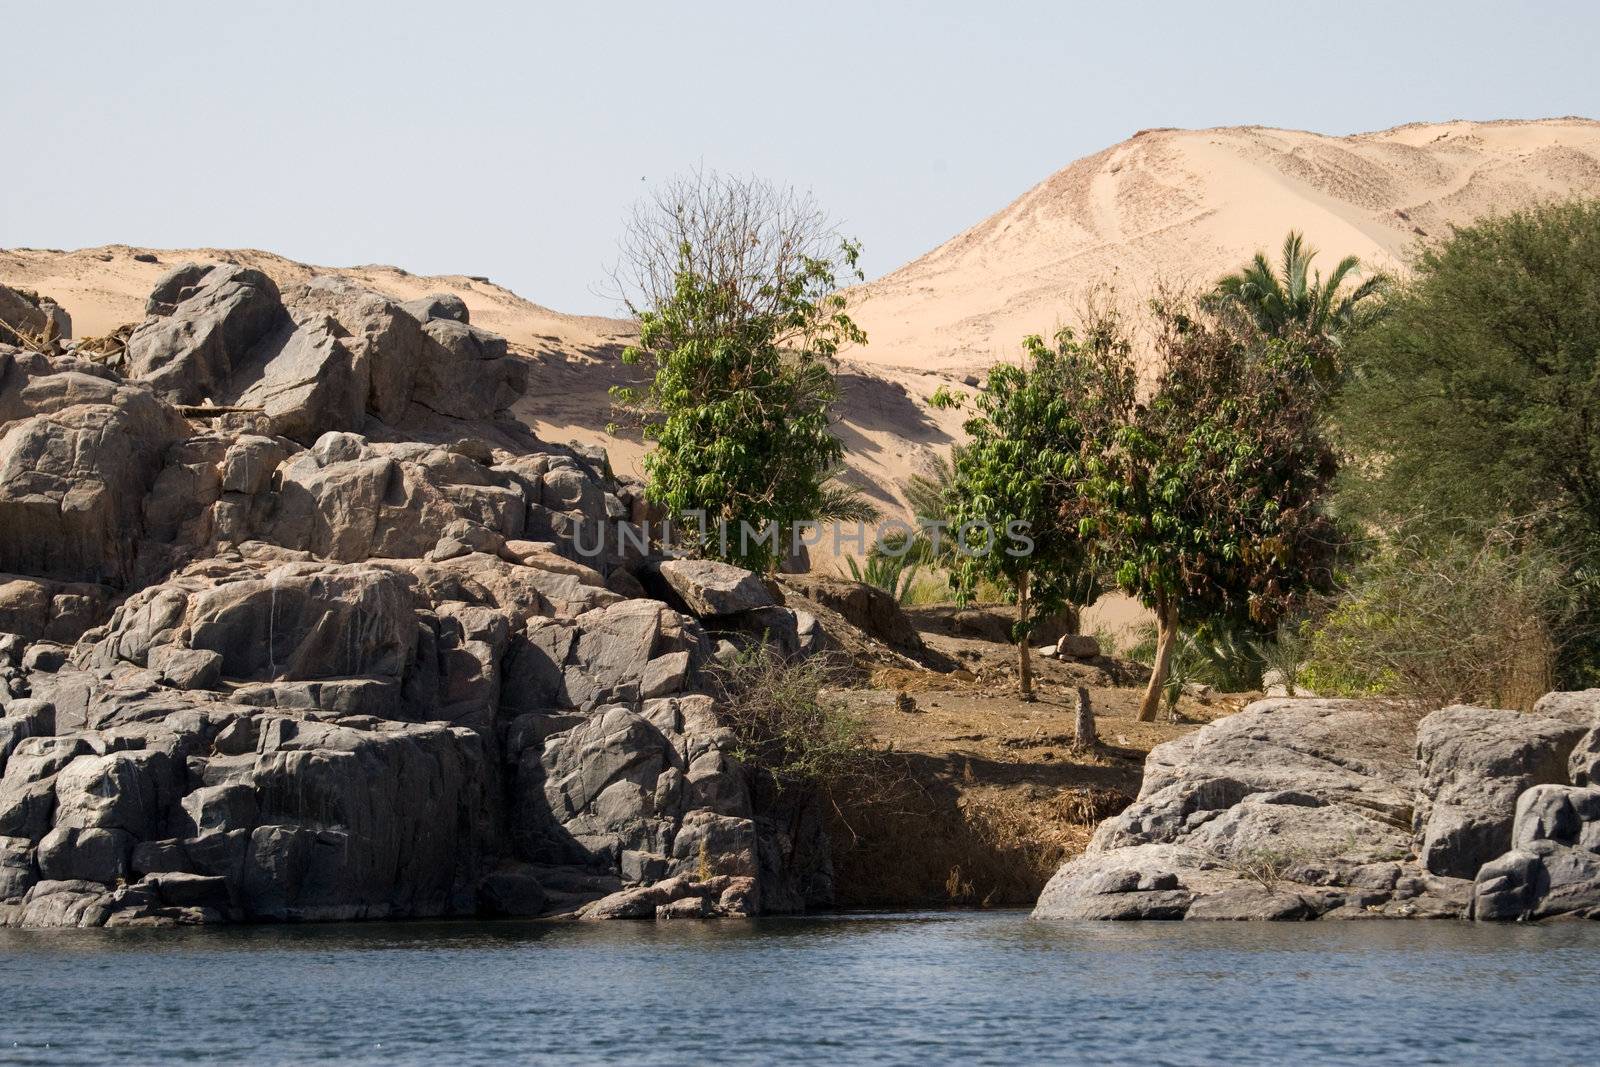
column 1166, row 637
column 1083, row 722
column 1023, row 645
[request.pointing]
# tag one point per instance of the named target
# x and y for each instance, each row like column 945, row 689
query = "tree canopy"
column 1477, row 398
column 1023, row 464
column 1206, row 500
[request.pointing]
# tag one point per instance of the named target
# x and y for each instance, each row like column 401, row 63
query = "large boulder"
column 33, row 315
column 466, row 373
column 348, row 499
column 873, row 610
column 642, row 794
column 1553, row 867
column 204, row 320
column 323, row 356
column 292, row 621
column 705, row 587
column 1580, row 707
column 76, row 460
column 304, row 378
column 384, row 340
column 41, row 608
column 377, row 823
column 1475, row 763
column 1289, row 809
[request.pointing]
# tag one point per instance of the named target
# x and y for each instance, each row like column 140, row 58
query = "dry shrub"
column 1448, row 621
column 784, row 728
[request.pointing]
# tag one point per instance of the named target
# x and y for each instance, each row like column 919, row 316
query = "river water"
column 890, row 989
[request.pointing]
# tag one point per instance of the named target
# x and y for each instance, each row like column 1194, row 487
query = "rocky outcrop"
column 78, row 452
column 873, row 610
column 203, row 320
column 1308, row 808
column 1475, row 763
column 1553, row 867
column 1287, row 809
column 321, row 357
column 34, row 316
column 296, row 628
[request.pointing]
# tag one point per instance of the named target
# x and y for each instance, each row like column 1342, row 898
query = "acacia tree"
column 1205, row 501
column 1476, row 401
column 1023, row 463
column 735, row 285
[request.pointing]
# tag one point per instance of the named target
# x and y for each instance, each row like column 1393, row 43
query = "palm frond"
column 845, row 503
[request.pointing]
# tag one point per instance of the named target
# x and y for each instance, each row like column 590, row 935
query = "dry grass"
column 1428, row 624
column 968, row 846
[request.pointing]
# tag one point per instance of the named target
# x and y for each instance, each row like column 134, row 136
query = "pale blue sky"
column 509, row 139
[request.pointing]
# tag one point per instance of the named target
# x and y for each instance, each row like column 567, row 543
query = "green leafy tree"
column 1478, row 396
column 1206, row 500
column 1023, row 464
column 1293, row 298
column 735, row 285
column 1476, row 401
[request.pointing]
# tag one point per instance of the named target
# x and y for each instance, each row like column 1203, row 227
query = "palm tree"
column 1294, row 297
column 928, row 494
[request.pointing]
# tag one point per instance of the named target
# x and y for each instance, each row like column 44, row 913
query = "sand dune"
column 1166, row 205
column 1186, row 206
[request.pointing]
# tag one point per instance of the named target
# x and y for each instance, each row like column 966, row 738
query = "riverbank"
column 984, row 796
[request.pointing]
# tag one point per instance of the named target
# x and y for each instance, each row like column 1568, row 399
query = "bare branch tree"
column 751, row 237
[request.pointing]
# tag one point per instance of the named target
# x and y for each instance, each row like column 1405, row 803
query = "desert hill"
column 1180, row 206
column 888, row 429
column 1186, row 206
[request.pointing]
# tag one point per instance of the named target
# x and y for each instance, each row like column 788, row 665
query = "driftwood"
column 206, row 411
column 1083, row 722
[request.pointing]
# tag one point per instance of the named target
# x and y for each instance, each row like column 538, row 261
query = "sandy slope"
column 1187, row 206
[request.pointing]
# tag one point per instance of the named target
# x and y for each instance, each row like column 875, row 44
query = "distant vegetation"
column 1371, row 485
column 1364, row 486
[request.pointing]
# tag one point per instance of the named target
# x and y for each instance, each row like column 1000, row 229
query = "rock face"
column 78, row 453
column 1300, row 809
column 33, row 315
column 1475, row 763
column 319, row 358
column 355, row 646
column 866, row 606
column 1287, row 809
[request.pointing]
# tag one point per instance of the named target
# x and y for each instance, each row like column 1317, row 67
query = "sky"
column 510, row 139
